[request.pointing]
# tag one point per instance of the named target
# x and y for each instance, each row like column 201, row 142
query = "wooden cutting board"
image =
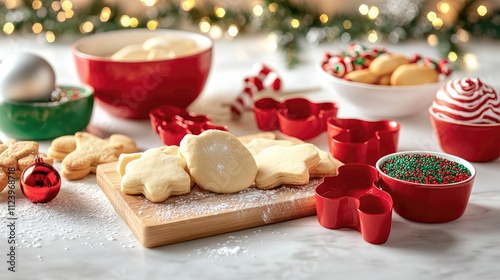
column 201, row 213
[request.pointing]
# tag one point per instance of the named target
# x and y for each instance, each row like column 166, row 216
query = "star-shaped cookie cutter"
column 360, row 141
column 297, row 117
column 172, row 124
column 352, row 200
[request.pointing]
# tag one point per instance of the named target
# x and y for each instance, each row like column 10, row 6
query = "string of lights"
column 443, row 23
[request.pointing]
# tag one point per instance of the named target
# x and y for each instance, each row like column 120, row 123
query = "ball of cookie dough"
column 218, row 161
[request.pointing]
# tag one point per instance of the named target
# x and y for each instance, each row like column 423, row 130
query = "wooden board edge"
column 165, row 234
column 156, row 235
column 121, row 207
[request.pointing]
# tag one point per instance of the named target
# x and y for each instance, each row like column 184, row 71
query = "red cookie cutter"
column 297, row 117
column 173, row 123
column 351, row 199
column 359, row 141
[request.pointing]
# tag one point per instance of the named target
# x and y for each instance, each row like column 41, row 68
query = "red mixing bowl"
column 131, row 89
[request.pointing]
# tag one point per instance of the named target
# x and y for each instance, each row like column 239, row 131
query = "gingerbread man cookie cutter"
column 172, row 124
column 352, row 200
column 360, row 141
column 297, row 117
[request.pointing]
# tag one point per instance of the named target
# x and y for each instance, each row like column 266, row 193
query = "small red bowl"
column 131, row 89
column 428, row 203
column 473, row 142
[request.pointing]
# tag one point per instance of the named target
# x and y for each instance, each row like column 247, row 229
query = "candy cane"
column 265, row 78
column 252, row 85
column 273, row 82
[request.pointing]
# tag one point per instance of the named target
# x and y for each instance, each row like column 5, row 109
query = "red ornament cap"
column 40, row 182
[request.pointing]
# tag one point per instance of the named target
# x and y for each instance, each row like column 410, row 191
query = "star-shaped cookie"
column 156, row 175
column 125, row 159
column 279, row 165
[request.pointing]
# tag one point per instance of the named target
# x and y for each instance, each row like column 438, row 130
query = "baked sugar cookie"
column 61, row 147
column 414, row 74
column 156, row 175
column 328, row 165
column 385, row 64
column 248, row 138
column 218, row 161
column 257, row 145
column 124, row 160
column 4, row 179
column 279, row 165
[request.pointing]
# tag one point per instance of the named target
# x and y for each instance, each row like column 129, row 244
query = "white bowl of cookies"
column 380, row 84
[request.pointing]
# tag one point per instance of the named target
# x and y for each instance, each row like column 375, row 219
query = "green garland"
column 277, row 17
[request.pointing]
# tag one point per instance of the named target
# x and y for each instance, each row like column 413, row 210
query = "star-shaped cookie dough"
column 156, row 175
column 279, row 165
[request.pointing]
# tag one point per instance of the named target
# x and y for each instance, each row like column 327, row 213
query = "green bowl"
column 48, row 120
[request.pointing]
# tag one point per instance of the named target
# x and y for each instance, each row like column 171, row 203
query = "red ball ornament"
column 40, row 182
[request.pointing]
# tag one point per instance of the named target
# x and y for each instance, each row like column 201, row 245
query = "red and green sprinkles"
column 425, row 169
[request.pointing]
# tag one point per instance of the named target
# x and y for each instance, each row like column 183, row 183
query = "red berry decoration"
column 40, row 182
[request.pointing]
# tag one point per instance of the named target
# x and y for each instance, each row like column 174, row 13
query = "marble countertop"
column 79, row 235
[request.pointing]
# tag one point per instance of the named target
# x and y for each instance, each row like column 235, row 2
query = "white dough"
column 157, row 48
column 130, row 53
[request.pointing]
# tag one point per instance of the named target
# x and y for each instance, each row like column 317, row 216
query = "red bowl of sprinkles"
column 427, row 187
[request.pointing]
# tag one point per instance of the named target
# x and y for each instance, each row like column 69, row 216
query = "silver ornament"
column 26, row 77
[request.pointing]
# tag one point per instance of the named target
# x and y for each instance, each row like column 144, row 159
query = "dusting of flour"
column 201, row 203
column 80, row 212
